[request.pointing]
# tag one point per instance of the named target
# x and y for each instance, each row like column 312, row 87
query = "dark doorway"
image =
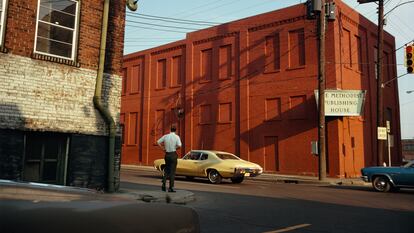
column 45, row 158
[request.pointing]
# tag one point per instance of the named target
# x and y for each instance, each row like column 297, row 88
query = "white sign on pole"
column 343, row 102
column 388, row 126
column 391, row 139
column 382, row 133
column 314, row 147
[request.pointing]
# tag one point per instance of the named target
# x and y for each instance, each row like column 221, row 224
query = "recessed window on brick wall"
column 347, row 47
column 272, row 53
column 124, row 80
column 161, row 74
column 206, row 68
column 133, row 128
column 297, row 48
column 358, row 48
column 225, row 113
column 273, row 109
column 205, row 114
column 177, row 71
column 159, row 124
column 297, row 107
column 57, row 28
column 135, row 78
column 3, row 10
column 225, row 62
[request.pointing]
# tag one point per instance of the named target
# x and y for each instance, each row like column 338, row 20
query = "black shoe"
column 163, row 188
column 171, row 190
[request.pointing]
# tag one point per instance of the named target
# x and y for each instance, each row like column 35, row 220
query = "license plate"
column 246, row 174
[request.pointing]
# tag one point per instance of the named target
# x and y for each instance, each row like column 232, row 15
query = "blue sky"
column 143, row 31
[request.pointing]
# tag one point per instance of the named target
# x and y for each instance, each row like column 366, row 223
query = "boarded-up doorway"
column 271, row 154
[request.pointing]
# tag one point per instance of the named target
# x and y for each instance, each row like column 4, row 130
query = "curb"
column 298, row 180
column 279, row 178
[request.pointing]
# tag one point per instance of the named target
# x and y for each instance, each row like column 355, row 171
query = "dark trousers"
column 170, row 167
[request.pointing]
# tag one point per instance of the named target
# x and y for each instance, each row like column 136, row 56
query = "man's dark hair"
column 173, row 128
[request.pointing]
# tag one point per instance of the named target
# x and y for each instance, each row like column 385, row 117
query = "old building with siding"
column 50, row 131
column 248, row 87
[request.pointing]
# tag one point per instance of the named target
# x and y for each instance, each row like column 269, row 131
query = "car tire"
column 237, row 180
column 381, row 184
column 214, row 176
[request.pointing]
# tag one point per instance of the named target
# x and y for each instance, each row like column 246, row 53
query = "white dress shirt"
column 171, row 142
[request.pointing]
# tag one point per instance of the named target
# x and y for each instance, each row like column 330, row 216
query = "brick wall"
column 40, row 95
column 21, row 29
column 250, row 90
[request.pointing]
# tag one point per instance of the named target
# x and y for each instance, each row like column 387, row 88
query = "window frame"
column 3, row 22
column 74, row 37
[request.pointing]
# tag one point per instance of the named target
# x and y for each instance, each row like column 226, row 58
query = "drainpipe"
column 104, row 111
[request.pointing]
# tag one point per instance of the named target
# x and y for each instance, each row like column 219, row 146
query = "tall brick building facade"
column 50, row 130
column 248, row 87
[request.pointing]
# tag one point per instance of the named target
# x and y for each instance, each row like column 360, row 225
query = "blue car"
column 385, row 179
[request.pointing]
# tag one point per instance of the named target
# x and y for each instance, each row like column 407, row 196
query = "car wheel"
column 381, row 184
column 214, row 177
column 237, row 180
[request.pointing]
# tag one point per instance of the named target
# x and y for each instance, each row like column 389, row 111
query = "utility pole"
column 380, row 99
column 321, row 91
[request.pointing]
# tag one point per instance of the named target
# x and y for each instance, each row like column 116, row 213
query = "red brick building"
column 50, row 130
column 248, row 87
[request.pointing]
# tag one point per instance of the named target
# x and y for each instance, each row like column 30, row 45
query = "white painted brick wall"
column 45, row 96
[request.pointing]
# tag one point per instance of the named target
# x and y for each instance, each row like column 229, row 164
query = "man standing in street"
column 169, row 143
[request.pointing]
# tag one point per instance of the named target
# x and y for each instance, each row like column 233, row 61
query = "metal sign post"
column 389, row 142
column 381, row 136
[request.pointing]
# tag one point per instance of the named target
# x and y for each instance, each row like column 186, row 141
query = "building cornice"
column 277, row 23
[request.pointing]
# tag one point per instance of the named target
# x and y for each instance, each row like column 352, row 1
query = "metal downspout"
column 98, row 96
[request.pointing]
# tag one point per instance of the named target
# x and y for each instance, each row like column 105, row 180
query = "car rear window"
column 227, row 156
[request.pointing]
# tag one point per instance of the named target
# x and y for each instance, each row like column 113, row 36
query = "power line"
column 209, row 3
column 155, row 29
column 172, row 20
column 159, row 25
column 245, row 8
column 211, row 8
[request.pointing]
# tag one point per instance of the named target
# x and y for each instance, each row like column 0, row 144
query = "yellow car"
column 214, row 165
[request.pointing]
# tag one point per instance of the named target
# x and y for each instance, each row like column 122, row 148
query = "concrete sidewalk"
column 38, row 192
column 308, row 180
column 44, row 192
column 279, row 178
column 184, row 196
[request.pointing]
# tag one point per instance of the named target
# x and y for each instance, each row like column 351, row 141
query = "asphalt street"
column 270, row 207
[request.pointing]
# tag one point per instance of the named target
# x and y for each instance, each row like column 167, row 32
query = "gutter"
column 97, row 100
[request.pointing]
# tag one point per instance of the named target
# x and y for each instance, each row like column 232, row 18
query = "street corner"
column 178, row 197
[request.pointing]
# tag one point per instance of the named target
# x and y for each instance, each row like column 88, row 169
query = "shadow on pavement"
column 366, row 188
